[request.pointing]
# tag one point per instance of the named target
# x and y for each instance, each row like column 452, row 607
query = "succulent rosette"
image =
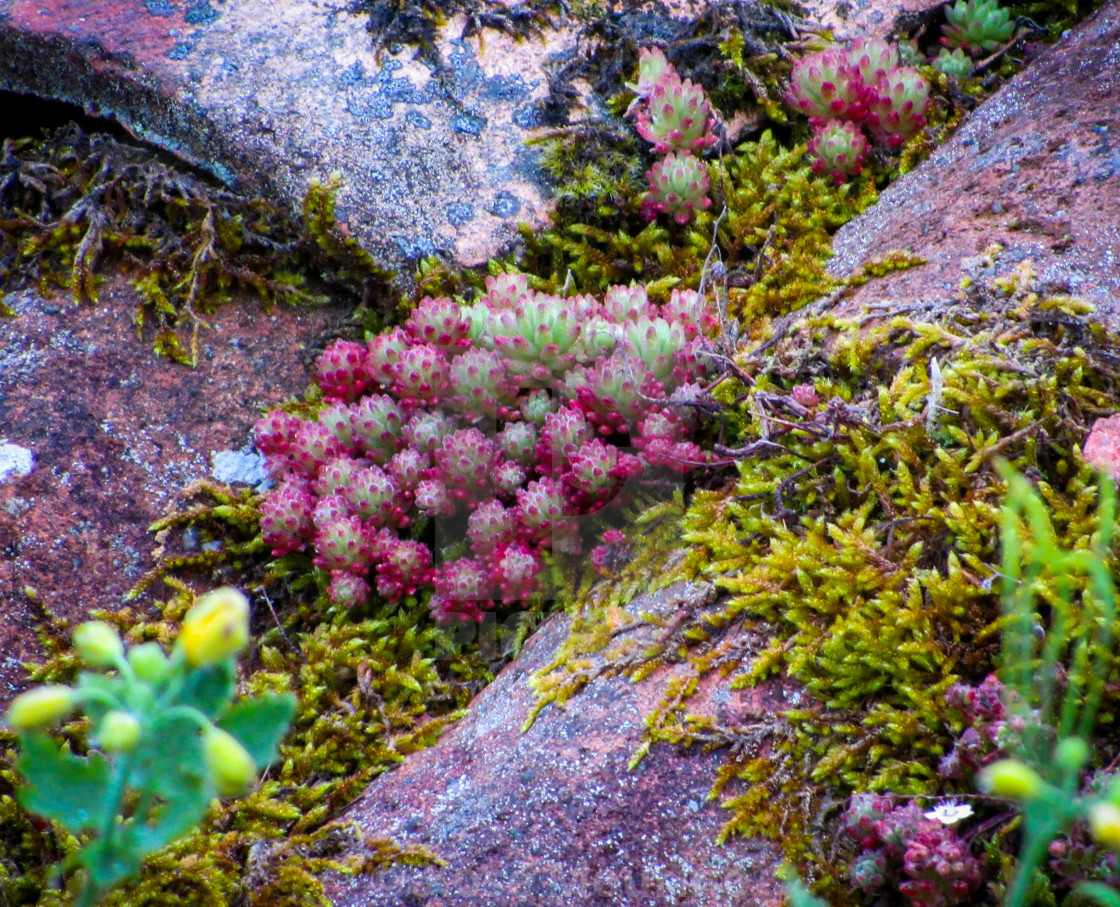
column 656, row 342
column 677, row 116
column 615, row 393
column 622, row 304
column 422, row 375
column 826, row 86
column 377, row 427
column 439, row 322
column 465, row 463
column 383, row 353
column 898, row 110
column 563, row 432
column 652, row 68
column 595, row 473
column 678, row 186
column 479, row 385
column 490, row 525
column 286, row 516
column 341, row 371
column 539, row 339
column 838, row 149
column 873, row 58
column 976, row 26
column 505, row 291
column 404, row 566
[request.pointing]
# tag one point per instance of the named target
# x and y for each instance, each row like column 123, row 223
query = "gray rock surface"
column 270, row 96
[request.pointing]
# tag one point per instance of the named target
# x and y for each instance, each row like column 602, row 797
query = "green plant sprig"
column 166, row 740
column 1055, row 720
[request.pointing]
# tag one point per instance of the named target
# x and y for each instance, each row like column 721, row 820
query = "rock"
column 551, row 816
column 1036, row 168
column 1102, row 447
column 873, row 18
column 269, row 96
column 100, row 436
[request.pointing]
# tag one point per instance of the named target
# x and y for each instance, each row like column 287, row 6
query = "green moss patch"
column 73, row 204
column 860, row 537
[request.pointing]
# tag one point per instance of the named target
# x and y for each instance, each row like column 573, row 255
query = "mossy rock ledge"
column 782, row 636
column 812, row 625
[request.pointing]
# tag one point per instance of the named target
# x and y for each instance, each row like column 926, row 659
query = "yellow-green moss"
column 73, row 204
column 863, row 542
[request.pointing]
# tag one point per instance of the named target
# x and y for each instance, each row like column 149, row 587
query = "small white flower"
column 950, row 813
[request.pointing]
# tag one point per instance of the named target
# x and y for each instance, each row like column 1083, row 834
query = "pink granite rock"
column 1036, row 168
column 552, row 817
column 1102, row 447
column 100, row 437
column 870, row 18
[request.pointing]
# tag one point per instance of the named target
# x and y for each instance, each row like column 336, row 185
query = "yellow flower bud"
column 230, row 766
column 98, row 643
column 1072, row 754
column 148, row 661
column 1012, row 779
column 119, row 732
column 217, row 626
column 39, row 707
column 1104, row 823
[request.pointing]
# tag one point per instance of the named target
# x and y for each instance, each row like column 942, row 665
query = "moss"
column 73, row 205
column 861, row 540
column 771, row 242
column 417, row 22
column 371, row 688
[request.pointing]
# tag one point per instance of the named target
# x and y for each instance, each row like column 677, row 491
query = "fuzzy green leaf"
column 259, row 724
column 209, row 688
column 69, row 789
column 171, row 768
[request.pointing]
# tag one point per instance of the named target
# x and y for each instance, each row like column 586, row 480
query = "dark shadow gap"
column 28, row 116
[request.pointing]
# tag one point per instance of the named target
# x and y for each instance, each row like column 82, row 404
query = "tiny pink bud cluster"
column 675, row 116
column 508, row 419
column 923, row 858
column 845, row 89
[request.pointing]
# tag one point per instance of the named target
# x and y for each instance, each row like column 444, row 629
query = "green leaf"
column 69, row 789
column 259, row 724
column 1099, row 892
column 171, row 777
column 104, row 685
column 111, row 862
column 209, row 688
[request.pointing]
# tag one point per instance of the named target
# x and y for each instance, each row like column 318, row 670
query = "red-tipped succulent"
column 678, row 186
column 826, row 86
column 677, row 116
column 898, row 109
column 341, row 371
column 509, row 418
column 838, row 149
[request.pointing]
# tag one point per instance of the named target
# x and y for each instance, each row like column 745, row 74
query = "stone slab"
column 553, row 816
column 269, row 96
column 101, row 436
column 1035, row 168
